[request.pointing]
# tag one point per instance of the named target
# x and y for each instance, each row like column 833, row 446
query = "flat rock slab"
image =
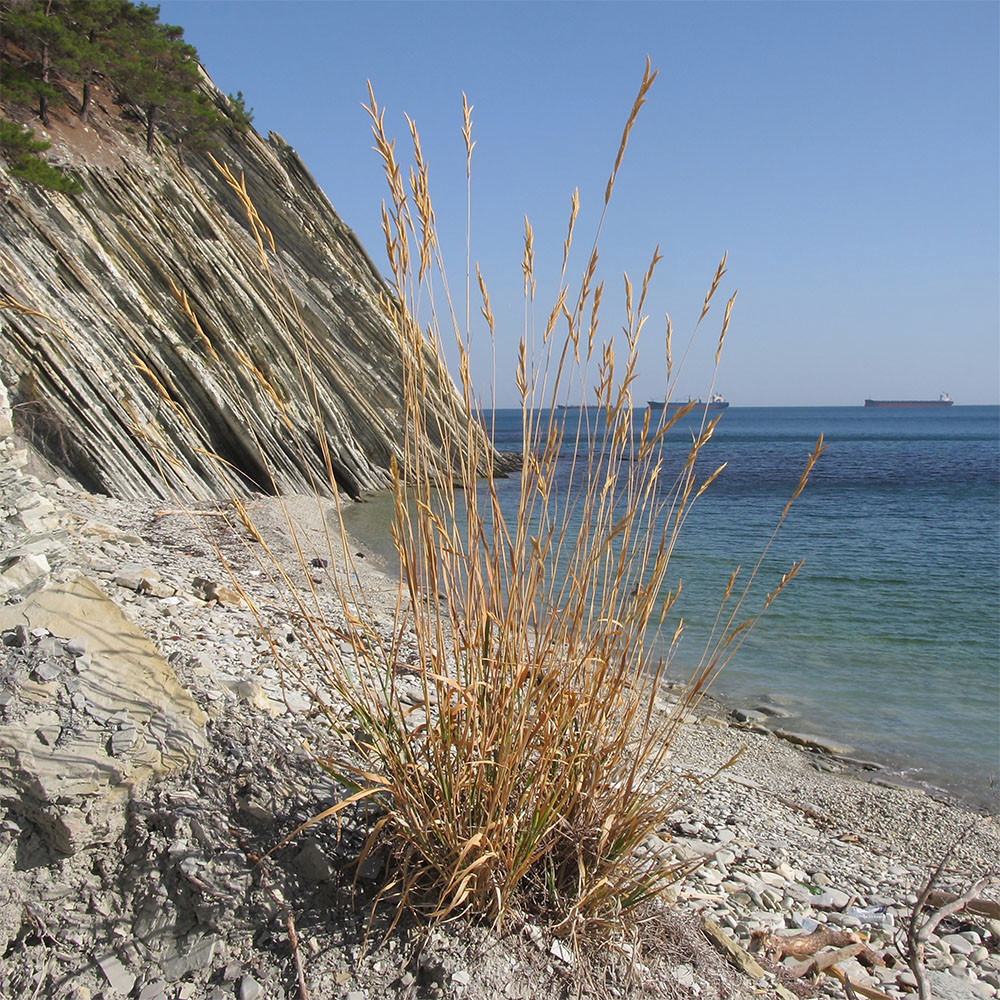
column 809, row 742
column 70, row 771
column 947, row 987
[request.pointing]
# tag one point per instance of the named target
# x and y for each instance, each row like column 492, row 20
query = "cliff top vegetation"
column 54, row 53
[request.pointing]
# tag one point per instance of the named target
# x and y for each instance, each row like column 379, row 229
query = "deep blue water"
column 889, row 639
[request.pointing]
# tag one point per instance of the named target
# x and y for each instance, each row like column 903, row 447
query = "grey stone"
column 156, row 990
column 250, row 989
column 39, row 516
column 119, row 978
column 810, row 742
column 746, row 715
column 48, row 646
column 775, row 711
column 766, row 919
column 684, row 976
column 254, row 810
column 958, row 944
column 48, row 670
column 47, row 728
column 17, row 636
column 312, row 864
column 129, row 577
column 197, row 952
column 831, row 899
column 798, row 893
column 25, row 569
column 152, row 920
column 947, row 987
column 122, row 740
column 77, row 646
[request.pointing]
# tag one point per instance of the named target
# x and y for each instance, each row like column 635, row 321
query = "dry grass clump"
column 517, row 759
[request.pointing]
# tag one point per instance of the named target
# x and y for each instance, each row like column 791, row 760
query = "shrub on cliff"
column 20, row 149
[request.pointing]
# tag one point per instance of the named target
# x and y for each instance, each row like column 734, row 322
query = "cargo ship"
column 717, row 402
column 943, row 400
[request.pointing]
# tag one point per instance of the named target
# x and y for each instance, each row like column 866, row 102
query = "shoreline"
column 873, row 769
column 742, row 711
column 787, row 837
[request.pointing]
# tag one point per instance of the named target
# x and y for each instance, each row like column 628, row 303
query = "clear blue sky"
column 847, row 156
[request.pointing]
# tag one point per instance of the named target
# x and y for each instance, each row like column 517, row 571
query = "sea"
column 888, row 640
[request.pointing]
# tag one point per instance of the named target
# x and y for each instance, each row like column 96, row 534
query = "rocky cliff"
column 116, row 385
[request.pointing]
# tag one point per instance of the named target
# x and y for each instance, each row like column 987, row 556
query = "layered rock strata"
column 120, row 389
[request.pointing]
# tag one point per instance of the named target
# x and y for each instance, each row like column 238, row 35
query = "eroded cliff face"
column 110, row 378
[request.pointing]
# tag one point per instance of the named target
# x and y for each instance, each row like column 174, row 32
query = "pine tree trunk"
column 87, row 85
column 85, row 100
column 150, row 127
column 43, row 100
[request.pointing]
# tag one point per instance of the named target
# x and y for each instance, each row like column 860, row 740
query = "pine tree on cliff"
column 158, row 71
column 147, row 64
column 95, row 24
column 43, row 30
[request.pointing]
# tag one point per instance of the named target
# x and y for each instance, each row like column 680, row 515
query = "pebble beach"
column 151, row 755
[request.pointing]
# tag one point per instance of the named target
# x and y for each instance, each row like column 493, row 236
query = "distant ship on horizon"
column 943, row 400
column 717, row 402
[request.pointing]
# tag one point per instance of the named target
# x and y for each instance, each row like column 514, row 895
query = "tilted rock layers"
column 110, row 377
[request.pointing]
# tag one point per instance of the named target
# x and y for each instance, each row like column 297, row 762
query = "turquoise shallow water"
column 889, row 640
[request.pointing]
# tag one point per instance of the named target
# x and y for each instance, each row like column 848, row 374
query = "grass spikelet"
column 528, row 261
column 725, row 327
column 648, row 76
column 714, row 287
column 181, row 296
column 574, row 211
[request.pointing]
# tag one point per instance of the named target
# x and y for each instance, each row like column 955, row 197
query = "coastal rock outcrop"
column 119, row 388
column 130, row 718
